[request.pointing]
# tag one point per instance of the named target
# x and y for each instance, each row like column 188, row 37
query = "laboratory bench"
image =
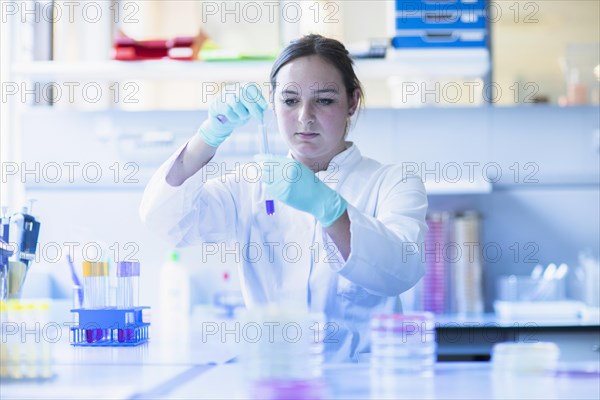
column 183, row 363
column 182, row 380
column 450, row 381
column 103, row 372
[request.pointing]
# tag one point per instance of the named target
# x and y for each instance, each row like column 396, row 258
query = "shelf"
column 155, row 70
column 492, row 320
column 427, row 63
column 402, row 63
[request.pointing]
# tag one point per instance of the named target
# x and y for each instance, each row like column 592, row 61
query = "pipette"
column 76, row 282
column 264, row 148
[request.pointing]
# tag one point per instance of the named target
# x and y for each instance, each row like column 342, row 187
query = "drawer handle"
column 437, row 18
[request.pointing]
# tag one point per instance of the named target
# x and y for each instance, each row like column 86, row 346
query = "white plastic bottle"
column 174, row 294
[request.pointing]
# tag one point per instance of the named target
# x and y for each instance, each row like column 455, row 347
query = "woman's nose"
column 306, row 115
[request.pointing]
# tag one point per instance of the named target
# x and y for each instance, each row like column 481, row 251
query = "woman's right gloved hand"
column 229, row 110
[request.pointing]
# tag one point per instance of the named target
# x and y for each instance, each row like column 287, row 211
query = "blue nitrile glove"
column 294, row 184
column 230, row 110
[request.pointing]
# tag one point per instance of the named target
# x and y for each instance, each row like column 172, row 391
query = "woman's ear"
column 354, row 102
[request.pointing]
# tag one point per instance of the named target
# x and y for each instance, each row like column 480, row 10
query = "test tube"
column 95, row 276
column 45, row 350
column 128, row 276
column 264, row 149
column 88, row 285
column 95, row 284
column 16, row 347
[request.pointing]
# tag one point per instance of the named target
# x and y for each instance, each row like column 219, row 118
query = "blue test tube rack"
column 110, row 327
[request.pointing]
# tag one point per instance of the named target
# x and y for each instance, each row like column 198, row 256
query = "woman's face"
column 312, row 108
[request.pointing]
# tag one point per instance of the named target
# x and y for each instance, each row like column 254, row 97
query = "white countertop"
column 450, row 381
column 191, row 369
column 179, row 364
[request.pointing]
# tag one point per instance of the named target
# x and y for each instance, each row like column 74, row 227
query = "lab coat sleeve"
column 199, row 210
column 385, row 255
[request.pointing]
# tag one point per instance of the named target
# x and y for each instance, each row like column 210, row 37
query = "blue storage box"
column 412, row 6
column 440, row 24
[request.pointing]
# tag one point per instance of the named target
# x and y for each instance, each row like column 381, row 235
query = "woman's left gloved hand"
column 294, row 184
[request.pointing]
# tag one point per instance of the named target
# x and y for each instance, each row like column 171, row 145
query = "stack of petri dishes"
column 520, row 358
column 435, row 293
column 282, row 353
column 402, row 344
column 468, row 268
column 524, row 370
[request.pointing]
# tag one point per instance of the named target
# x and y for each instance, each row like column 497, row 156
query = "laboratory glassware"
column 95, row 284
column 282, row 352
column 128, row 277
column 264, row 149
column 402, row 344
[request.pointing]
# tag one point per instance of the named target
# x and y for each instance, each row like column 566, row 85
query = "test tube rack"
column 109, row 327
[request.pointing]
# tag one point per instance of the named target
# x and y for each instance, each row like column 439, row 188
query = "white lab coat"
column 288, row 258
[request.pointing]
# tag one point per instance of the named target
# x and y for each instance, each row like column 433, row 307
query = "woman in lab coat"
column 346, row 235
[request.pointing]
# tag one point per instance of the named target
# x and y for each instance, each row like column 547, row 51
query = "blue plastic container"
column 440, row 24
column 442, row 20
column 411, row 6
column 440, row 40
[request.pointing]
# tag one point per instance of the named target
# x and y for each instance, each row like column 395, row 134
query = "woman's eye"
column 289, row 102
column 324, row 101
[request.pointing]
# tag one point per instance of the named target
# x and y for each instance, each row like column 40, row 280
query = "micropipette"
column 264, row 148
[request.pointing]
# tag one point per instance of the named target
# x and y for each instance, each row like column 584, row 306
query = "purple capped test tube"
column 128, row 276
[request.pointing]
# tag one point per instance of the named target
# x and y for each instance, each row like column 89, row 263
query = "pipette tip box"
column 110, row 327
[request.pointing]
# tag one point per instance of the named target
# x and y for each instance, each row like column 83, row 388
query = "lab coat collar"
column 342, row 161
column 347, row 157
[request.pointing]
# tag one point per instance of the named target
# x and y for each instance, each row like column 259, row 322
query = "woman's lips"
column 307, row 135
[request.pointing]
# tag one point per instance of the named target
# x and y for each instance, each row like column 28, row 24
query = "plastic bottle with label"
column 174, row 293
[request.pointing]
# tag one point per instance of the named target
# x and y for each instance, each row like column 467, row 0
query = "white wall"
column 559, row 213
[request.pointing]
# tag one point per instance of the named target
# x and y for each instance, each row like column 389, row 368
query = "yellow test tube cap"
column 95, row 268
